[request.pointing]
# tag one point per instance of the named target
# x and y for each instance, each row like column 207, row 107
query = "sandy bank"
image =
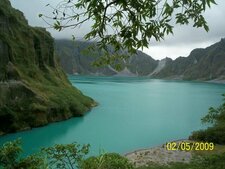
column 159, row 155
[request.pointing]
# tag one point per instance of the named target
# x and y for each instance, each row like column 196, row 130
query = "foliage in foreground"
column 107, row 161
column 72, row 156
column 10, row 157
column 68, row 156
column 65, row 156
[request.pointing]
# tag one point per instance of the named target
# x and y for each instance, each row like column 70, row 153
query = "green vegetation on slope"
column 33, row 88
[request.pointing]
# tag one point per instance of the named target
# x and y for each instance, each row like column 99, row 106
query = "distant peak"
column 223, row 40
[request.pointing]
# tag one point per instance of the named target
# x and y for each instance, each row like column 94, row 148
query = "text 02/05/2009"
column 189, row 146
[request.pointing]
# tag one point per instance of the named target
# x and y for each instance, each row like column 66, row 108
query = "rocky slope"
column 75, row 58
column 33, row 88
column 201, row 64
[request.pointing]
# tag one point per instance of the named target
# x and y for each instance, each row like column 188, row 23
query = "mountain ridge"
column 75, row 59
column 201, row 64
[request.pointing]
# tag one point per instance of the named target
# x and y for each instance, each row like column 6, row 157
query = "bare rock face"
column 4, row 59
column 206, row 64
column 33, row 88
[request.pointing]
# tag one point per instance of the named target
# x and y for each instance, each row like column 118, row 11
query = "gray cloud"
column 32, row 9
column 183, row 35
column 187, row 34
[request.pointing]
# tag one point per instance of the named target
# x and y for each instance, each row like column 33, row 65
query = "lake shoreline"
column 216, row 81
column 94, row 104
column 174, row 78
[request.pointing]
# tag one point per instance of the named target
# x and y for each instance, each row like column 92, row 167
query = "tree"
column 215, row 116
column 107, row 161
column 10, row 158
column 216, row 132
column 65, row 156
column 128, row 24
column 68, row 156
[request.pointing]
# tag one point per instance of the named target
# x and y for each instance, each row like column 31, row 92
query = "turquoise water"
column 133, row 113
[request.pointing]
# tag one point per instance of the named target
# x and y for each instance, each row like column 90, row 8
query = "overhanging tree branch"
column 130, row 24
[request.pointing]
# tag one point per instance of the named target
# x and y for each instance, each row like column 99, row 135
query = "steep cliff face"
column 33, row 88
column 75, row 59
column 201, row 64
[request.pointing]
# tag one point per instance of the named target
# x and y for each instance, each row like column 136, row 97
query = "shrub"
column 107, row 161
column 10, row 157
column 215, row 133
column 68, row 156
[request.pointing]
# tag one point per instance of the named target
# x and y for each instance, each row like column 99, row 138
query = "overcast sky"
column 185, row 38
